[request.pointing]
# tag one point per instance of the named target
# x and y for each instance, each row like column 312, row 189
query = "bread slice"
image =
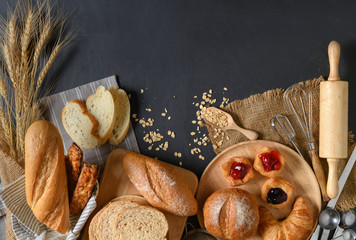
column 80, row 125
column 107, row 221
column 141, row 223
column 101, row 106
column 122, row 122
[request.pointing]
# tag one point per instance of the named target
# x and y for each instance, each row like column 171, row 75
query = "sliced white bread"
column 141, row 223
column 80, row 125
column 107, row 221
column 122, row 122
column 101, row 106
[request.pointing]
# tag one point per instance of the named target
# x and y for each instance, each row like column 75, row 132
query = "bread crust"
column 84, row 188
column 160, row 185
column 231, row 213
column 45, row 176
column 73, row 166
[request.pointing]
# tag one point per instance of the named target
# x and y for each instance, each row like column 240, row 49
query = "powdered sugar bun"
column 231, row 214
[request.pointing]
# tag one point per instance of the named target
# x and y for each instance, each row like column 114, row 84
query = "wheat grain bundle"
column 31, row 37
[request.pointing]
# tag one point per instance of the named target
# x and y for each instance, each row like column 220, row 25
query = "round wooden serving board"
column 296, row 171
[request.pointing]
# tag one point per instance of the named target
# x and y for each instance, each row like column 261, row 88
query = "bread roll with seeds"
column 160, row 185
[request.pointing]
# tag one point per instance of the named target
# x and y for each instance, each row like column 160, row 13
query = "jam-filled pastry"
column 238, row 171
column 277, row 192
column 299, row 225
column 269, row 162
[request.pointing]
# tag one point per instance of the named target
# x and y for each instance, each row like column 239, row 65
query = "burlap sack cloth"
column 10, row 170
column 255, row 113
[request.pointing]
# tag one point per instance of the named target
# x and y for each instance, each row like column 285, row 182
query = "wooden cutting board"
column 296, row 171
column 115, row 183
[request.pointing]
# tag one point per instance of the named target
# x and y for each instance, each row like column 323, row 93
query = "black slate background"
column 183, row 48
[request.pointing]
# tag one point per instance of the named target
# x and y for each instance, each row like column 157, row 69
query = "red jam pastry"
column 238, row 171
column 277, row 192
column 269, row 162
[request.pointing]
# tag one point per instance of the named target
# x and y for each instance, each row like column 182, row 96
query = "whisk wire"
column 298, row 99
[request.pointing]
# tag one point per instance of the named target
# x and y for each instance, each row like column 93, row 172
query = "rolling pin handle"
column 333, row 184
column 334, row 58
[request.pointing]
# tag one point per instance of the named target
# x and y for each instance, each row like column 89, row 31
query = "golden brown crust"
column 84, row 188
column 231, row 213
column 45, row 176
column 277, row 182
column 237, row 182
column 297, row 226
column 74, row 163
column 257, row 165
column 160, row 184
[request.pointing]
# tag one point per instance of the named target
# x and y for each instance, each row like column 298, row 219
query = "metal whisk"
column 298, row 98
column 284, row 129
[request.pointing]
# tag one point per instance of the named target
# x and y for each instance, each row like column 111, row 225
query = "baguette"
column 84, row 188
column 74, row 163
column 45, row 176
column 160, row 184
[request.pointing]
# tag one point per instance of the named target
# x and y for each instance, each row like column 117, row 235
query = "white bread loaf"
column 122, row 122
column 101, row 105
column 160, row 184
column 45, row 176
column 80, row 125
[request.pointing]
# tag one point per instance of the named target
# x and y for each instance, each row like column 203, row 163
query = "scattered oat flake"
column 180, row 163
column 169, row 118
column 148, row 109
column 163, row 114
column 225, row 89
column 142, row 90
column 192, row 133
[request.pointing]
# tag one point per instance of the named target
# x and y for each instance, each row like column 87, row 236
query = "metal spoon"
column 224, row 121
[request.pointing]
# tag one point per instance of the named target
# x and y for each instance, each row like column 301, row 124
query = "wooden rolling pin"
column 333, row 136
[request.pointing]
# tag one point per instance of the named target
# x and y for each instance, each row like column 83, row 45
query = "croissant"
column 297, row 226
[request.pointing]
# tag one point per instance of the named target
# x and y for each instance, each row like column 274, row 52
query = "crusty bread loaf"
column 45, row 176
column 128, row 217
column 73, row 166
column 84, row 188
column 122, row 122
column 101, row 105
column 231, row 213
column 160, row 184
column 80, row 125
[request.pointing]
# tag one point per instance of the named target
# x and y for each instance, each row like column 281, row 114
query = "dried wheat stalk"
column 28, row 31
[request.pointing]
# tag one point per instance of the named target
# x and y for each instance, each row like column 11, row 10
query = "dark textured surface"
column 184, row 48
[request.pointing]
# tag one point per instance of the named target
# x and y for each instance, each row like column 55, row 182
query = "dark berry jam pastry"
column 269, row 162
column 277, row 192
column 238, row 171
